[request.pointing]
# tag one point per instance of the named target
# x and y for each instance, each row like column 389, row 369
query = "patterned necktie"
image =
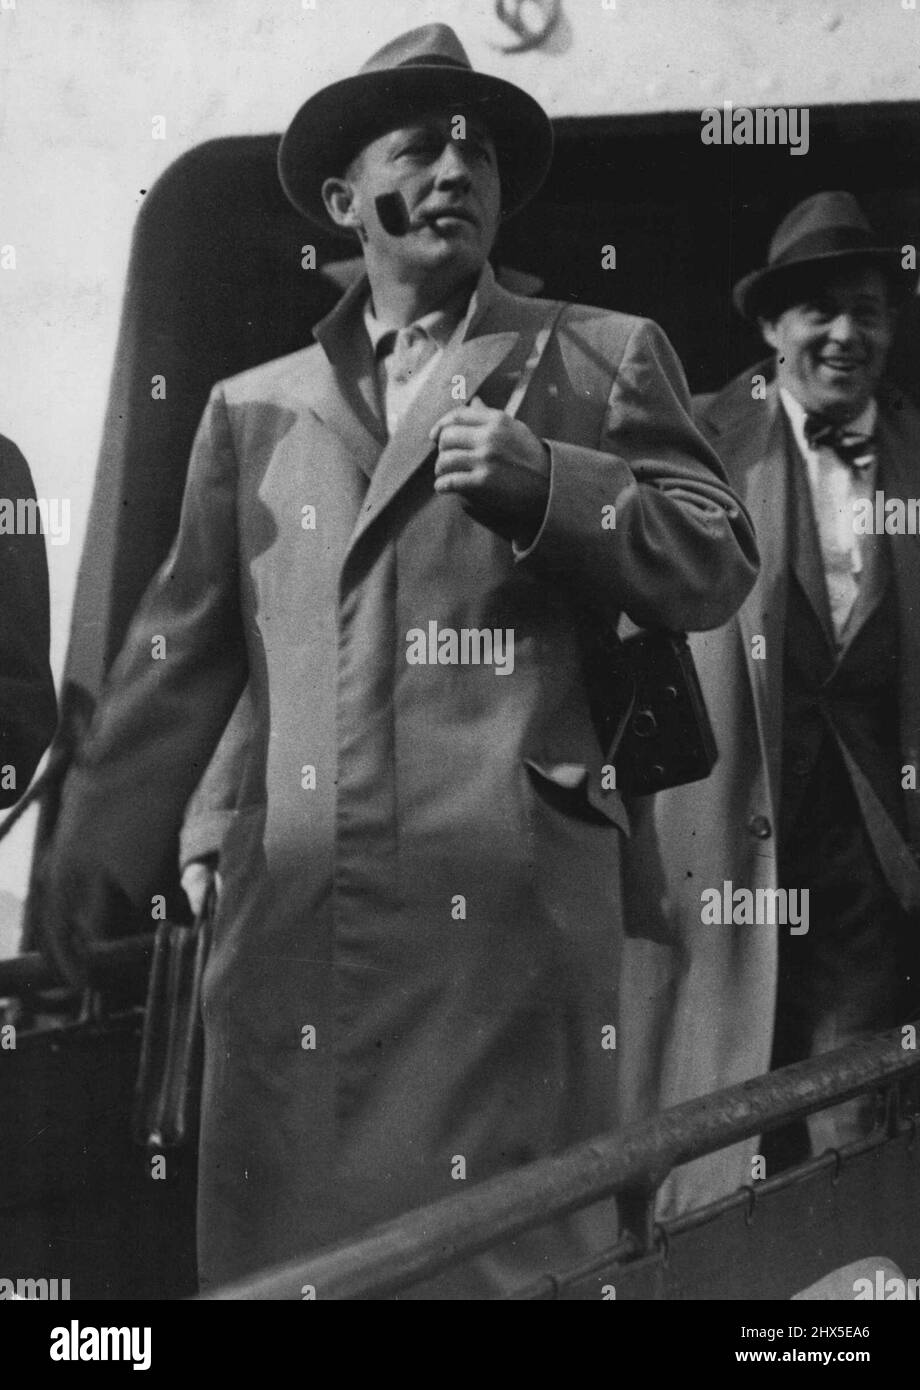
column 843, row 477
column 858, row 450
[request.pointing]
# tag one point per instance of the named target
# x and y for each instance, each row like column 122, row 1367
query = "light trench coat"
column 416, row 957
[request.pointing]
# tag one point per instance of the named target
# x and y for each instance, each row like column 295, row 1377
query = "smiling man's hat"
column 825, row 229
column 424, row 69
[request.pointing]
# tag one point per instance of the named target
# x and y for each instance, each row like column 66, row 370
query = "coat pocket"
column 575, row 790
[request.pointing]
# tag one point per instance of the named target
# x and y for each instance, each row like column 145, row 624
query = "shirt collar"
column 864, row 423
column 439, row 324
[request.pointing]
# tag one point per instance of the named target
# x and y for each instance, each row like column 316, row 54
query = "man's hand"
column 497, row 466
column 197, row 878
column 75, row 910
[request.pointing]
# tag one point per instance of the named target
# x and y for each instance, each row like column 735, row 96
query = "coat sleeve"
column 28, row 708
column 210, row 812
column 170, row 692
column 681, row 552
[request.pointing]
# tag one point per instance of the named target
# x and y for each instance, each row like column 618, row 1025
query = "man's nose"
column 452, row 167
column 842, row 328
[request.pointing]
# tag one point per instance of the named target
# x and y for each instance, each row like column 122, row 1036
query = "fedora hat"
column 824, row 229
column 424, row 68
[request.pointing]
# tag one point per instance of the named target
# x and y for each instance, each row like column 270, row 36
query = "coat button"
column 759, row 827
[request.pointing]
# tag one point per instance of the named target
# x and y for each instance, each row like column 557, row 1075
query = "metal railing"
column 630, row 1164
column 111, row 964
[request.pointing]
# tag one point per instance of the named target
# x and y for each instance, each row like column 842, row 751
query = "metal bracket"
column 637, row 1217
column 662, row 1242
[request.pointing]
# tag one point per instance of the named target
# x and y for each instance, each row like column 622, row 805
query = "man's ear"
column 339, row 197
column 768, row 331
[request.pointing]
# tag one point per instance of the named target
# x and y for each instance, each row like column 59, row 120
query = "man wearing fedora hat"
column 416, row 952
column 814, row 691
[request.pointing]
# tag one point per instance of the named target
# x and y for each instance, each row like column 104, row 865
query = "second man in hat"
column 793, row 877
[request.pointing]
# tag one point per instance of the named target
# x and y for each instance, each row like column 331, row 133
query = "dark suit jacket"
column 725, row 829
column 28, row 709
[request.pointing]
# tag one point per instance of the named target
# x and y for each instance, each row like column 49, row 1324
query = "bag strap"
column 539, row 344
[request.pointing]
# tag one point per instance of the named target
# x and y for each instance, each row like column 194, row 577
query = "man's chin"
column 843, row 398
column 460, row 257
column 460, row 240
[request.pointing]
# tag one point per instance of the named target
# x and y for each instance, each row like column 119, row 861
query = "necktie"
column 858, row 450
column 842, row 477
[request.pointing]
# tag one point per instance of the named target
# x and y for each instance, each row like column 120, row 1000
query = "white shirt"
column 835, row 487
column 440, row 327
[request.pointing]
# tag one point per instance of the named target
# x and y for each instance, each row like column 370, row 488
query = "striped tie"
column 858, row 450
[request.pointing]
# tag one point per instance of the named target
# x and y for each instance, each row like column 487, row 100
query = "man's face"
column 832, row 346
column 450, row 190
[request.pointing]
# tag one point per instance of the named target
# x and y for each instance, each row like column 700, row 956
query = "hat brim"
column 340, row 120
column 753, row 290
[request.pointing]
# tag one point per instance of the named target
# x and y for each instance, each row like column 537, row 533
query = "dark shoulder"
column 898, row 409
column 15, row 476
column 716, row 411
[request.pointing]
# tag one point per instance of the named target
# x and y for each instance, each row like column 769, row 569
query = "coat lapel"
column 749, row 437
column 805, row 558
column 899, row 451
column 410, row 445
column 344, row 397
column 492, row 334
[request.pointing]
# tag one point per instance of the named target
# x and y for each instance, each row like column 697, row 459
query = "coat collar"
column 346, row 398
column 805, row 555
column 491, row 331
column 345, row 395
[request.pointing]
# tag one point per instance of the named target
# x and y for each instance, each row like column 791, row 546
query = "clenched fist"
column 497, row 466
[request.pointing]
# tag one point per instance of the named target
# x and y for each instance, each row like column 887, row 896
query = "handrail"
column 420, row 1244
column 108, row 963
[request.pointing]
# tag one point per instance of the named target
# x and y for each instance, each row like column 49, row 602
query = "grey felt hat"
column 417, row 71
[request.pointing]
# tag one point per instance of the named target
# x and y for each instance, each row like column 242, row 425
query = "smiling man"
column 814, row 690
column 417, row 947
column 831, row 347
